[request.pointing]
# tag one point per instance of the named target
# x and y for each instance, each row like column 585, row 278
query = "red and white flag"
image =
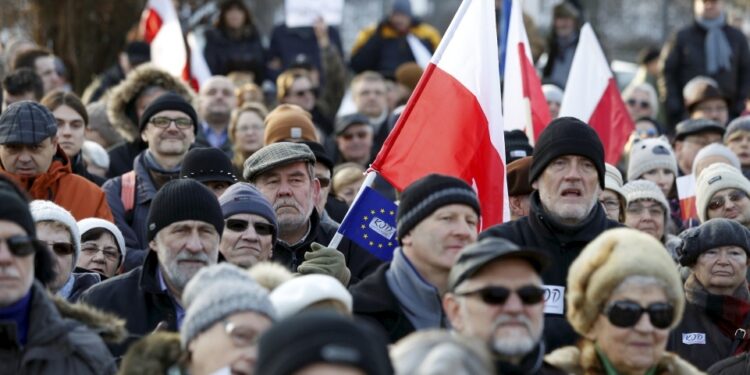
column 162, row 30
column 453, row 122
column 591, row 95
column 524, row 104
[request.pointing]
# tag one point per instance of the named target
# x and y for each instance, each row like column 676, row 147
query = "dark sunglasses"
column 238, row 225
column 719, row 202
column 641, row 103
column 21, row 246
column 498, row 295
column 62, row 248
column 626, row 314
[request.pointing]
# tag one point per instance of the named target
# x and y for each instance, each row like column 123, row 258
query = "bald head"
column 217, row 101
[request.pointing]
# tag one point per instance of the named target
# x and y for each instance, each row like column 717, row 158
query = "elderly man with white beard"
column 496, row 295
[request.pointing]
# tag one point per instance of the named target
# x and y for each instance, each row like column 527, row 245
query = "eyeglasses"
column 641, row 103
column 360, row 135
column 626, row 314
column 646, row 133
column 610, row 204
column 61, row 248
column 21, row 246
column 110, row 253
column 238, row 225
column 324, row 182
column 302, row 93
column 498, row 295
column 242, row 336
column 718, row 202
column 163, row 122
column 653, row 210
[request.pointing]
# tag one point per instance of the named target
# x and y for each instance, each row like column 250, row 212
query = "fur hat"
column 43, row 210
column 649, row 154
column 289, row 121
column 300, row 292
column 715, row 177
column 609, row 259
column 90, row 223
column 710, row 235
column 716, row 149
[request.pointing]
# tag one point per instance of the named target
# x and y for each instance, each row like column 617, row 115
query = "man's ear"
column 53, row 140
column 535, row 185
column 452, row 308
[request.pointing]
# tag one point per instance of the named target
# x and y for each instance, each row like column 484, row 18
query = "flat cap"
column 518, row 177
column 27, row 123
column 276, row 155
column 353, row 119
column 695, row 126
column 477, row 255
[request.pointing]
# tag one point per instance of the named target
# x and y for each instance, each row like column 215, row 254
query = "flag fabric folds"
column 371, row 224
column 453, row 122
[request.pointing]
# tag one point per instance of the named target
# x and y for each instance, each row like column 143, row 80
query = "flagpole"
column 369, row 179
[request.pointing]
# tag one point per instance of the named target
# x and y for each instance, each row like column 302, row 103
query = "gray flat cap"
column 695, row 126
column 276, row 155
column 27, row 123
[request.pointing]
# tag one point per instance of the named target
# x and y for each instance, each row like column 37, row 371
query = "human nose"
column 6, row 257
column 644, row 324
column 193, row 243
column 250, row 233
column 513, row 304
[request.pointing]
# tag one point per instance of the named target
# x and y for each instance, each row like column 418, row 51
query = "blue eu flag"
column 371, row 223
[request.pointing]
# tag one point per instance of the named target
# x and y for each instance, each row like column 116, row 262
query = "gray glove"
column 325, row 261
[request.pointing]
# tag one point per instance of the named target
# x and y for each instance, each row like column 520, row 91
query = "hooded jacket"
column 59, row 184
column 62, row 339
column 121, row 111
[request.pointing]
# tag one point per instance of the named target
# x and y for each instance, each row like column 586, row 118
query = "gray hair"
column 653, row 98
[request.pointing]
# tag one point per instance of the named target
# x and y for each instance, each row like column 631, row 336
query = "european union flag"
column 371, row 223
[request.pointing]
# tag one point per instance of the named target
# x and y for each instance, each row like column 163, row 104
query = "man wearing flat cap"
column 354, row 139
column 496, row 295
column 690, row 137
column 284, row 173
column 31, row 156
column 568, row 174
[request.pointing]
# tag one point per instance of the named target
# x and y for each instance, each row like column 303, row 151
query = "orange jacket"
column 59, row 184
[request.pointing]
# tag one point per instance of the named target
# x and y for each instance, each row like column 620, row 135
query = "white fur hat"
column 300, row 292
column 42, row 210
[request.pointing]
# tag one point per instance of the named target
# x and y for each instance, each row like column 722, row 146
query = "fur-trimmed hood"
column 569, row 360
column 121, row 98
column 108, row 326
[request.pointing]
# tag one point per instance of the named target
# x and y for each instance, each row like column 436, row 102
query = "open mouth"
column 572, row 193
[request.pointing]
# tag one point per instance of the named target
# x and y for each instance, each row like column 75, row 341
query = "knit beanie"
column 90, row 223
column 243, row 198
column 517, row 146
column 297, row 294
column 716, row 149
column 649, row 154
column 715, row 177
column 609, row 259
column 739, row 124
column 613, row 179
column 518, row 177
column 183, row 199
column 567, row 136
column 215, row 293
column 169, row 102
column 321, row 337
column 289, row 121
column 205, row 164
column 644, row 189
column 14, row 209
column 420, row 199
column 42, row 210
column 710, row 235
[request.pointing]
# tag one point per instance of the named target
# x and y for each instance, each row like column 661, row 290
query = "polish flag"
column 524, row 104
column 591, row 95
column 453, row 123
column 162, row 30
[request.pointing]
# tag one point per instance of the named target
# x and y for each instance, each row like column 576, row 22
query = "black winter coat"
column 225, row 54
column 135, row 296
column 374, row 302
column 359, row 261
column 716, row 345
column 562, row 244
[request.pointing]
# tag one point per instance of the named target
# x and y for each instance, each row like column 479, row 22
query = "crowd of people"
column 146, row 228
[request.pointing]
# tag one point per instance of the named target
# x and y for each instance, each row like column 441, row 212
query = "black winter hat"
column 567, row 136
column 710, row 235
column 183, row 199
column 320, row 154
column 206, row 164
column 321, row 337
column 168, row 102
column 517, row 146
column 424, row 196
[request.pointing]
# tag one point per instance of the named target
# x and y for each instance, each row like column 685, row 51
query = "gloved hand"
column 325, row 261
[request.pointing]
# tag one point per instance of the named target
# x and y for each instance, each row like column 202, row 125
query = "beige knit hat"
column 644, row 189
column 608, row 260
column 613, row 179
column 715, row 177
column 648, row 154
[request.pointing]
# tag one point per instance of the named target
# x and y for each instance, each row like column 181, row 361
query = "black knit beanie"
column 183, row 199
column 424, row 196
column 206, row 164
column 710, row 235
column 567, row 136
column 168, row 102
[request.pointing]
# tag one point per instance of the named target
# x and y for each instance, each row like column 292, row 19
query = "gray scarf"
column 154, row 165
column 419, row 299
column 718, row 50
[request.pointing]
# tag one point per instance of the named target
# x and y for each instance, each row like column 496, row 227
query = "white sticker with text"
column 693, row 338
column 554, row 299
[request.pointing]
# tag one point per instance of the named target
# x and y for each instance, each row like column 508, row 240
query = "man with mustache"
column 496, row 296
column 284, row 173
column 184, row 226
column 168, row 127
column 568, row 174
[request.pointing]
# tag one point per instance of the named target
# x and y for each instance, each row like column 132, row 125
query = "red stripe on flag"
column 151, row 25
column 532, row 89
column 612, row 122
column 444, row 130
